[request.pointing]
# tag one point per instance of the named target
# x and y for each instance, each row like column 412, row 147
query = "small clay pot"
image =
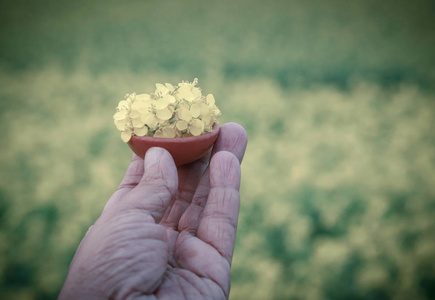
column 184, row 150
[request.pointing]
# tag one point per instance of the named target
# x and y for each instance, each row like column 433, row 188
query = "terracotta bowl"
column 184, row 150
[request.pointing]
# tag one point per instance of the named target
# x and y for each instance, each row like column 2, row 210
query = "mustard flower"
column 171, row 111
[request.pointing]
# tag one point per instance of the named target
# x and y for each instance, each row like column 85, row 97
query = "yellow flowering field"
column 337, row 97
column 337, row 189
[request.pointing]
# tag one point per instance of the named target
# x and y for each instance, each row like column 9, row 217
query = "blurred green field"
column 337, row 97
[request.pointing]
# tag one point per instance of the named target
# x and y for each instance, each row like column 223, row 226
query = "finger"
column 188, row 179
column 133, row 174
column 232, row 138
column 157, row 186
column 131, row 178
column 218, row 223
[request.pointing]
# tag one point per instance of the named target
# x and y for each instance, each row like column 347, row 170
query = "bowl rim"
column 215, row 130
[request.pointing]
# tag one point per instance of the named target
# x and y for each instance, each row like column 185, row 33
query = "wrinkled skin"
column 166, row 233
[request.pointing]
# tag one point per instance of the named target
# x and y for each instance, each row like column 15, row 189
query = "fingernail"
column 152, row 157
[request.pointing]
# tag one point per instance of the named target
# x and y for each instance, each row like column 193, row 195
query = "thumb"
column 157, row 186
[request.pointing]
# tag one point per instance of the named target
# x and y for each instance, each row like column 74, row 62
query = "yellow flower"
column 164, row 102
column 184, row 113
column 196, row 127
column 137, row 123
column 195, row 110
column 210, row 100
column 182, row 125
column 150, row 120
column 161, row 89
column 185, row 92
column 120, row 115
column 142, row 131
column 123, row 105
column 121, row 118
column 165, row 132
column 164, row 114
column 126, row 135
column 122, row 124
column 171, row 111
column 168, row 132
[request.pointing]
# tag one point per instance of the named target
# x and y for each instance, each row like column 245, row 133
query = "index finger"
column 133, row 174
column 218, row 222
column 232, row 138
column 194, row 178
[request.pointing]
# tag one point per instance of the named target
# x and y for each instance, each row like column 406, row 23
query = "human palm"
column 166, row 233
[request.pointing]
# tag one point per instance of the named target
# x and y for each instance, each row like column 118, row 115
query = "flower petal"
column 195, row 110
column 216, row 111
column 162, row 123
column 210, row 100
column 135, row 114
column 150, row 120
column 196, row 93
column 123, row 105
column 184, row 114
column 161, row 103
column 159, row 133
column 206, row 119
column 170, row 87
column 161, row 89
column 137, row 122
column 141, row 131
column 196, row 127
column 126, row 135
column 182, row 125
column 120, row 115
column 185, row 92
column 164, row 114
column 168, row 132
column 205, row 109
column 141, row 105
column 169, row 98
column 120, row 124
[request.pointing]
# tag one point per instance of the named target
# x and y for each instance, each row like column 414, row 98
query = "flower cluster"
column 171, row 111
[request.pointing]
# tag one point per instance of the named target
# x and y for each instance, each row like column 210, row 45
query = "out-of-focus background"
column 337, row 97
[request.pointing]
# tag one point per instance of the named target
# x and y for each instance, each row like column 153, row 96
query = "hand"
column 165, row 233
